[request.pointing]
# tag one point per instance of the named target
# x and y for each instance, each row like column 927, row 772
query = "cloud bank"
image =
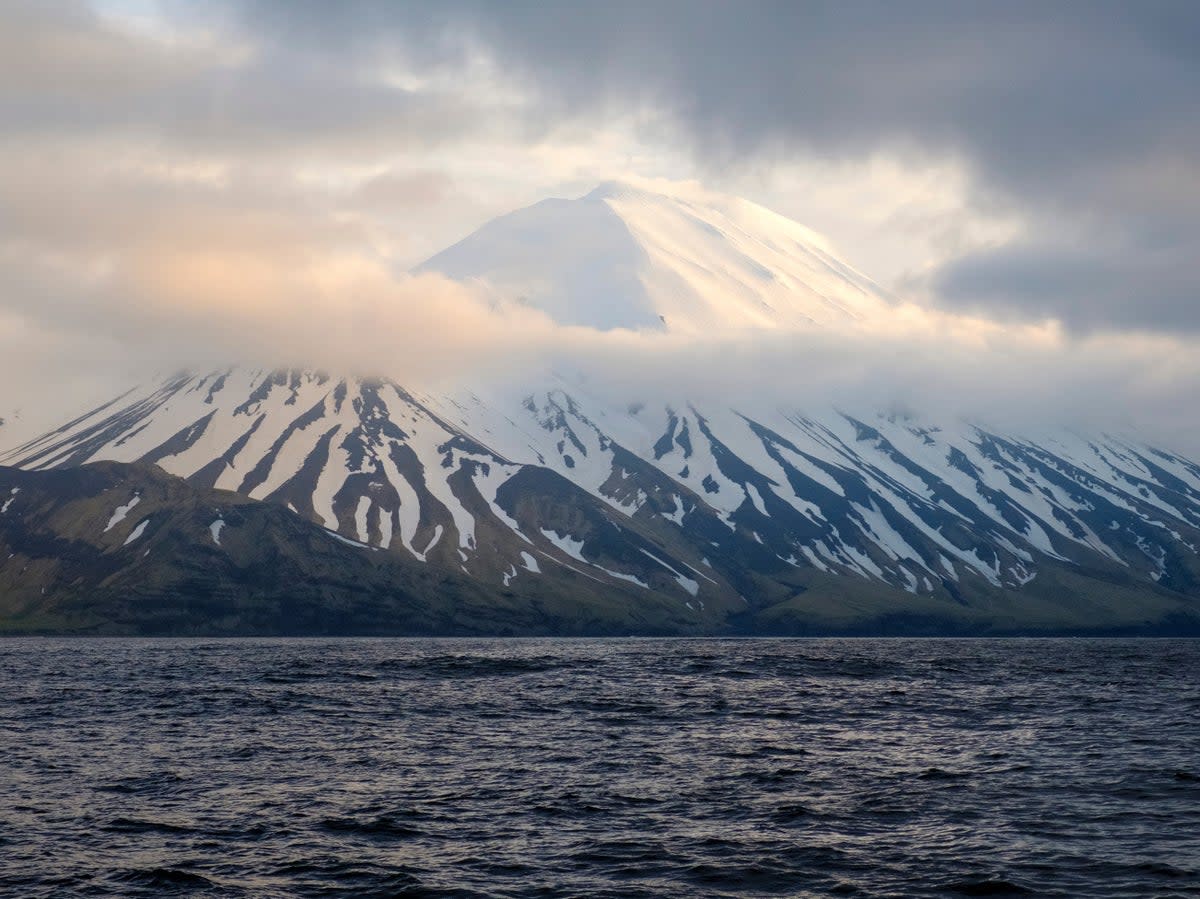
column 185, row 185
column 186, row 284
column 1084, row 116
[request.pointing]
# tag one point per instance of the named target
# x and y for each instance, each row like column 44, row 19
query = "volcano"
column 733, row 517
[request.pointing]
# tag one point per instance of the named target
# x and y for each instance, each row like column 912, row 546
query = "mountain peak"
column 625, row 189
column 607, row 190
column 677, row 256
column 659, row 190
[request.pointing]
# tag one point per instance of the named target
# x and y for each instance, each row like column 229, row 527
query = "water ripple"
column 609, row 768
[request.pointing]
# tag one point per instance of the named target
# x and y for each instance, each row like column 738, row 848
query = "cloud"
column 186, row 282
column 1087, row 288
column 391, row 191
column 1069, row 113
column 251, row 181
column 70, row 72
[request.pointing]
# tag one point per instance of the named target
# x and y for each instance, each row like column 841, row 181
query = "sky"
column 182, row 182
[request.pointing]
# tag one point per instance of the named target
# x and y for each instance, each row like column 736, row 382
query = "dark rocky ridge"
column 273, row 572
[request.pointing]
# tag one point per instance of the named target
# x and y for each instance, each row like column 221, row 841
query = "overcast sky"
column 167, row 166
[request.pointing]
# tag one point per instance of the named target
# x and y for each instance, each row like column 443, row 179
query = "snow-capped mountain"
column 690, row 261
column 688, row 500
column 727, row 510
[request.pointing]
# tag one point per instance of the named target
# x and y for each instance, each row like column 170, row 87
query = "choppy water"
column 599, row 767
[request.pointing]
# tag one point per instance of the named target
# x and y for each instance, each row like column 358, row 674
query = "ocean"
column 607, row 768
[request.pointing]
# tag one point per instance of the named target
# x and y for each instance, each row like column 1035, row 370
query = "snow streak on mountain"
column 721, row 507
column 687, row 499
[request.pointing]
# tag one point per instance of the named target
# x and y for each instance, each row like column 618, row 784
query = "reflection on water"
column 599, row 767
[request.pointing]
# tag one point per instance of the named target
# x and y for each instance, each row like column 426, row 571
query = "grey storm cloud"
column 1087, row 289
column 65, row 71
column 1068, row 112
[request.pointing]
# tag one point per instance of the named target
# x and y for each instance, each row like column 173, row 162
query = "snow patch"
column 340, row 539
column 756, row 498
column 385, row 528
column 621, row 576
column 568, row 544
column 360, row 518
column 433, row 541
column 691, row 586
column 137, row 531
column 409, row 513
column 119, row 515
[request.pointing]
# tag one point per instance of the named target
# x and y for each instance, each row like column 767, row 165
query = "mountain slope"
column 689, row 261
column 718, row 513
column 744, row 515
column 117, row 548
